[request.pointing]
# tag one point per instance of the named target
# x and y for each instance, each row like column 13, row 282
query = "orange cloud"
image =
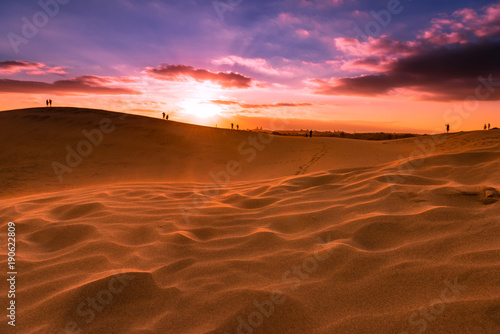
column 15, row 66
column 80, row 85
column 181, row 72
column 254, row 64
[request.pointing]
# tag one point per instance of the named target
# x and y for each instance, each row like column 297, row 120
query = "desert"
column 166, row 227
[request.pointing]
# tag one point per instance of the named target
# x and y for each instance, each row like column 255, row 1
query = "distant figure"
column 485, row 126
column 237, row 126
column 163, row 115
column 47, row 102
column 167, row 117
column 232, row 126
column 311, row 133
column 307, row 132
column 447, row 128
column 50, row 102
column 488, row 126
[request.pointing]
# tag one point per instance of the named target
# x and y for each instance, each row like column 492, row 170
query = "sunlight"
column 199, row 108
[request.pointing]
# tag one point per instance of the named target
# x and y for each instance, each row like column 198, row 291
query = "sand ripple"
column 349, row 252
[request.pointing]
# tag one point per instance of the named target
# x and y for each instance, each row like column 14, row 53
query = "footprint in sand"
column 303, row 169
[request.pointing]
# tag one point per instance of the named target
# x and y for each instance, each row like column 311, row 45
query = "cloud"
column 373, row 55
column 442, row 74
column 81, row 85
column 57, row 70
column 255, row 64
column 462, row 27
column 464, row 24
column 374, row 47
column 366, row 85
column 9, row 67
column 96, row 80
column 181, row 72
column 255, row 106
column 372, row 64
column 302, row 33
column 15, row 66
column 442, row 63
column 287, row 18
column 325, row 4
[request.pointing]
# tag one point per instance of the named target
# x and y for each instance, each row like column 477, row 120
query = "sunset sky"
column 351, row 65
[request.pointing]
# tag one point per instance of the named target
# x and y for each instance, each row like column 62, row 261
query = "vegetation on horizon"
column 342, row 134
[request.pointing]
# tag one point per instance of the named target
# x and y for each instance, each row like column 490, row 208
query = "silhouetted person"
column 47, row 102
column 311, row 133
column 163, row 115
column 307, row 133
column 232, row 126
column 237, row 126
column 485, row 126
column 167, row 117
column 488, row 126
column 50, row 102
column 447, row 128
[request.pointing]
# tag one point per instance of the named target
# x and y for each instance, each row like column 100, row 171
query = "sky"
column 349, row 65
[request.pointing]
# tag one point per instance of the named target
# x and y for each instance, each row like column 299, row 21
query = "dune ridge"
column 328, row 236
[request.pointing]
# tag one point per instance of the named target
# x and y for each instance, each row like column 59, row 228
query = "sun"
column 200, row 108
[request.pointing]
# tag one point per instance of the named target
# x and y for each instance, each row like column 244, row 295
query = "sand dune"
column 138, row 149
column 313, row 235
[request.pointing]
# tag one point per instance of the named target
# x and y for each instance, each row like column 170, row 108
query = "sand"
column 164, row 227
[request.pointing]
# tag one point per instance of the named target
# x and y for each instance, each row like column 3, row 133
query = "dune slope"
column 137, row 149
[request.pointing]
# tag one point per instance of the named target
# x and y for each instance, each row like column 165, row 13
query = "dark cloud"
column 79, row 85
column 451, row 63
column 96, row 80
column 446, row 73
column 14, row 64
column 180, row 72
column 368, row 85
column 367, row 62
column 8, row 67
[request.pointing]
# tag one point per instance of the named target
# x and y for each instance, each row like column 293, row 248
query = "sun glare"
column 200, row 108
